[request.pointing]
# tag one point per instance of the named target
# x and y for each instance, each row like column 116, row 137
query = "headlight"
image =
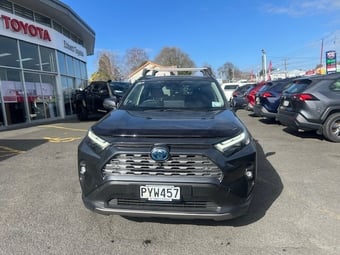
column 234, row 144
column 97, row 140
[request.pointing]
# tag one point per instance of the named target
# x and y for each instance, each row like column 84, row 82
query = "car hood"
column 156, row 123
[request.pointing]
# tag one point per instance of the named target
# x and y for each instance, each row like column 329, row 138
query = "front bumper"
column 198, row 201
column 202, row 197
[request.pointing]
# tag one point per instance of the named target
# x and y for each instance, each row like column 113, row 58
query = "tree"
column 172, row 56
column 99, row 76
column 108, row 66
column 229, row 72
column 134, row 58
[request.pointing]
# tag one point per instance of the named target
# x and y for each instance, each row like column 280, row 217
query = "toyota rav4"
column 172, row 148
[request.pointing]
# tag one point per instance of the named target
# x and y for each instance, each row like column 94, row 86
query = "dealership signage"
column 25, row 28
column 331, row 61
column 73, row 48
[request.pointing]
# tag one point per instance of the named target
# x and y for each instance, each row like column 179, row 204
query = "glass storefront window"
column 12, row 96
column 23, row 12
column 77, row 68
column 32, row 82
column 41, row 96
column 62, row 63
column 29, row 56
column 9, row 52
column 57, row 27
column 70, row 66
column 6, row 5
column 42, row 19
column 50, row 95
column 48, row 61
column 68, row 87
column 83, row 70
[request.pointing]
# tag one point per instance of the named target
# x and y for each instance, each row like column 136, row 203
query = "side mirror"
column 110, row 103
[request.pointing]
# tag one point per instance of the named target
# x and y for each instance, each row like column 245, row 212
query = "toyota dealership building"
column 43, row 51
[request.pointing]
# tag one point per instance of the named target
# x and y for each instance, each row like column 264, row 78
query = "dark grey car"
column 172, row 148
column 313, row 103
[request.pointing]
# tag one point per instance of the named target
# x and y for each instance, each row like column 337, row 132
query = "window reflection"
column 48, row 61
column 68, row 87
column 13, row 97
column 29, row 56
column 30, row 93
column 62, row 63
column 9, row 52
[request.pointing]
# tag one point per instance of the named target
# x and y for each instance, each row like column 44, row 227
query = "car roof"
column 319, row 77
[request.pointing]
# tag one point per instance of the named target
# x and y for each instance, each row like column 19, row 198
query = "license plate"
column 159, row 192
column 285, row 103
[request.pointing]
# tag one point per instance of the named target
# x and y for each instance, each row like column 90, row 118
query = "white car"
column 228, row 89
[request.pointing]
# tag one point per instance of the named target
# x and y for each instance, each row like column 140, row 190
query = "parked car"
column 228, row 89
column 239, row 99
column 173, row 148
column 267, row 99
column 251, row 95
column 313, row 103
column 91, row 99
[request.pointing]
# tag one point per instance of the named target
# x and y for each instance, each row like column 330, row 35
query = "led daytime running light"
column 97, row 140
column 231, row 142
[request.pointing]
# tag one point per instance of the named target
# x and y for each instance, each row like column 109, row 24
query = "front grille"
column 177, row 165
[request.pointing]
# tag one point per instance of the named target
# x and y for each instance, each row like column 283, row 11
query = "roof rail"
column 206, row 71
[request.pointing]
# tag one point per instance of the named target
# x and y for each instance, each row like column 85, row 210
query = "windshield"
column 298, row 87
column 119, row 88
column 174, row 94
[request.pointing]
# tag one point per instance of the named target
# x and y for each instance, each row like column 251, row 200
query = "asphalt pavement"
column 295, row 210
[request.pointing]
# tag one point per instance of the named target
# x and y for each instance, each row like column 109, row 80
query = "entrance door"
column 41, row 96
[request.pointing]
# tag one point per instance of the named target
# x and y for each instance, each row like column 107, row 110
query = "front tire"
column 82, row 113
column 331, row 128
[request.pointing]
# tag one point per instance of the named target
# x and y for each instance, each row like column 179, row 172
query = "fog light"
column 82, row 168
column 249, row 174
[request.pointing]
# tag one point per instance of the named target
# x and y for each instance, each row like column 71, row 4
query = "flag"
column 269, row 71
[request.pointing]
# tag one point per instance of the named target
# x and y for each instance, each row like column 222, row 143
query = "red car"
column 251, row 95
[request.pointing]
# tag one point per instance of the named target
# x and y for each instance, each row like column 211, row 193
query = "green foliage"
column 172, row 56
column 99, row 76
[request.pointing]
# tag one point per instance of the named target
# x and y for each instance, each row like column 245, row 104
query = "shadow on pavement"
column 304, row 134
column 267, row 189
column 269, row 121
column 12, row 147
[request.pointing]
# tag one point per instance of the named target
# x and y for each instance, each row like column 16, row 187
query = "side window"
column 335, row 86
column 95, row 88
column 103, row 88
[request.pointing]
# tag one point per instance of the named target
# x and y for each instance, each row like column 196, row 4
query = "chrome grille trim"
column 177, row 165
column 181, row 204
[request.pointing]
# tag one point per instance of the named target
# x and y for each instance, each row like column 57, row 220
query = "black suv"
column 92, row 100
column 313, row 103
column 171, row 149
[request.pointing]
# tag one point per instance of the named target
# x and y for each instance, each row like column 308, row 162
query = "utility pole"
column 264, row 64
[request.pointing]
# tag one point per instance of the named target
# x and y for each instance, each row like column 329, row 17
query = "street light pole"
column 264, row 64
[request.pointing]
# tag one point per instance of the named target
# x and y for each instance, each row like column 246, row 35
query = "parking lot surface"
column 295, row 210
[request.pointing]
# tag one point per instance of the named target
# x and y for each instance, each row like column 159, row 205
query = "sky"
column 293, row 34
